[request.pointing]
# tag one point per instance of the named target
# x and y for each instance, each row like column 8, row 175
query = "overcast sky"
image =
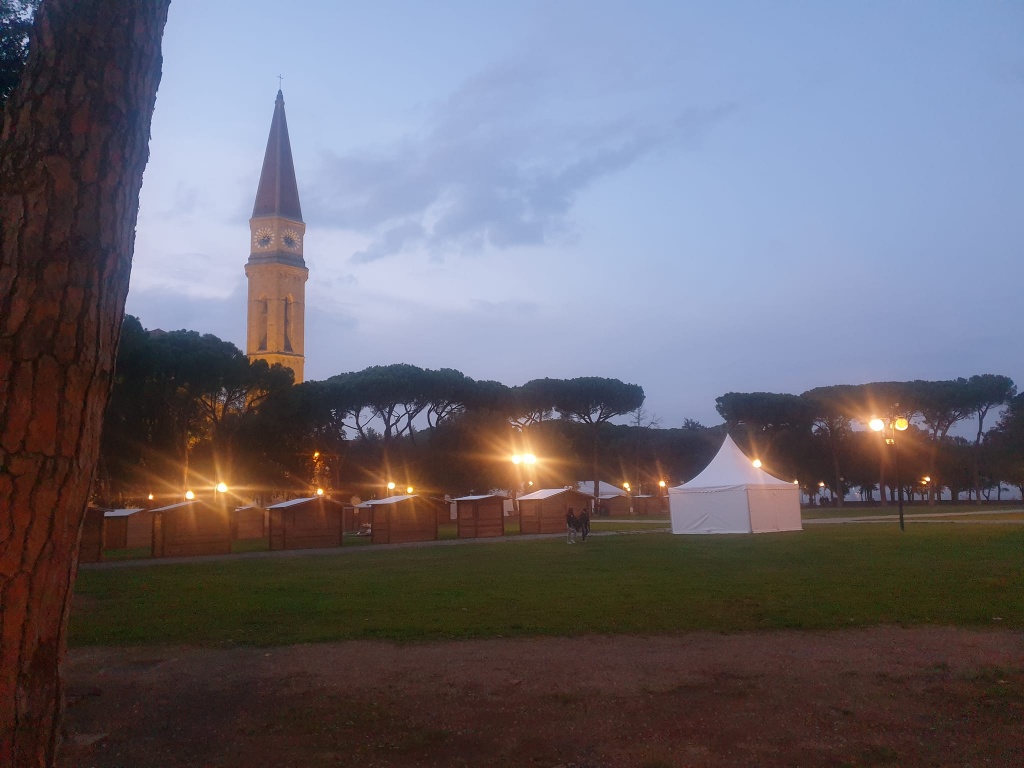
column 694, row 197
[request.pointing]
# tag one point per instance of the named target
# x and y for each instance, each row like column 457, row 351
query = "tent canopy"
column 731, row 495
column 731, row 468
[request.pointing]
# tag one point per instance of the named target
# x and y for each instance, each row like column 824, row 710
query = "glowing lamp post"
column 892, row 426
column 519, row 460
column 629, row 490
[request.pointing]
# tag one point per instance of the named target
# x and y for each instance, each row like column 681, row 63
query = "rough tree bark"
column 73, row 149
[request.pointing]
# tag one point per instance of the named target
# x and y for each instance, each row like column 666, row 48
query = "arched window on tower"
column 261, row 324
column 289, row 320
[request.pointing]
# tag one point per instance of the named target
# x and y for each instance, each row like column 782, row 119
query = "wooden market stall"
column 650, row 505
column 191, row 528
column 400, row 519
column 615, row 506
column 128, row 528
column 544, row 511
column 91, row 548
column 310, row 523
column 249, row 522
column 480, row 516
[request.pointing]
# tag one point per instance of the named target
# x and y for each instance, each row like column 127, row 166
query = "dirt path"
column 875, row 697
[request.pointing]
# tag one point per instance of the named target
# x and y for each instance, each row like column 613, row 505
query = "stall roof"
column 179, row 505
column 122, row 512
column 293, row 502
column 482, row 496
column 388, row 500
column 604, row 490
column 547, row 493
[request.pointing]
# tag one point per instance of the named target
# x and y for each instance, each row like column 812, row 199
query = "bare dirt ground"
column 873, row 697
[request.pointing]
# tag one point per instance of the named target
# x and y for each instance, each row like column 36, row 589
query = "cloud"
column 499, row 163
column 185, row 202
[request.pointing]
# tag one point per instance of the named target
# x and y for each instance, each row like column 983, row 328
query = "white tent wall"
column 718, row 510
column 731, row 495
column 774, row 509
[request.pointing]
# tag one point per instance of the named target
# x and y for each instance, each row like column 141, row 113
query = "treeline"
column 821, row 438
column 188, row 411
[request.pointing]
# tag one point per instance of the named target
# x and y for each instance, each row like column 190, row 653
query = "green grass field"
column 826, row 577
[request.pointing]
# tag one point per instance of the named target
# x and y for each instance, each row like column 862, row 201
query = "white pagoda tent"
column 731, row 495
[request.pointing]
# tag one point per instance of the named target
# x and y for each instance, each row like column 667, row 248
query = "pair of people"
column 574, row 525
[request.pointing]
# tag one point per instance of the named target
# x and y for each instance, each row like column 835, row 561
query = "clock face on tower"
column 262, row 238
column 290, row 238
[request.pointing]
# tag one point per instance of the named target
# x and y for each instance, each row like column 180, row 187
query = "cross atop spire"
column 278, row 194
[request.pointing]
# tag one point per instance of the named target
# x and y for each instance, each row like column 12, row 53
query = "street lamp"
column 893, row 425
column 520, row 459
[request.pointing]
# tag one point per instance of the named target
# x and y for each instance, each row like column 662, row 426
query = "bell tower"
column 276, row 271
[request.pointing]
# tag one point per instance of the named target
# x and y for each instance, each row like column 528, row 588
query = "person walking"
column 570, row 526
column 584, row 521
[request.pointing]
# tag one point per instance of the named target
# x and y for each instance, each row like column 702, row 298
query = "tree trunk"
column 982, row 412
column 838, row 479
column 881, row 482
column 72, row 153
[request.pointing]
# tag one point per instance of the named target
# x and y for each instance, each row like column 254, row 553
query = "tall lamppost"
column 629, row 491
column 519, row 460
column 893, row 425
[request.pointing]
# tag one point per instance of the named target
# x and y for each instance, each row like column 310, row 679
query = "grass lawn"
column 823, row 578
column 611, row 524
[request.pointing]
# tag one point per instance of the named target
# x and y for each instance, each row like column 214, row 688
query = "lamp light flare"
column 626, row 486
column 821, row 484
column 222, row 488
column 529, row 458
column 901, row 424
column 877, row 425
column 151, row 497
column 189, row 495
column 409, row 490
column 517, row 459
column 756, row 463
column 391, row 486
column 926, row 479
column 661, row 483
column 319, row 491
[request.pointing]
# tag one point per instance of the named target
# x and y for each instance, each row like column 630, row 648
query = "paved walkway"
column 925, row 517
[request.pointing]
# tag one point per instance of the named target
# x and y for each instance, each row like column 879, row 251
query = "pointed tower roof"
column 278, row 194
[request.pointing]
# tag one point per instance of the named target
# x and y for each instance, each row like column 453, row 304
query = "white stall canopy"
column 731, row 495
